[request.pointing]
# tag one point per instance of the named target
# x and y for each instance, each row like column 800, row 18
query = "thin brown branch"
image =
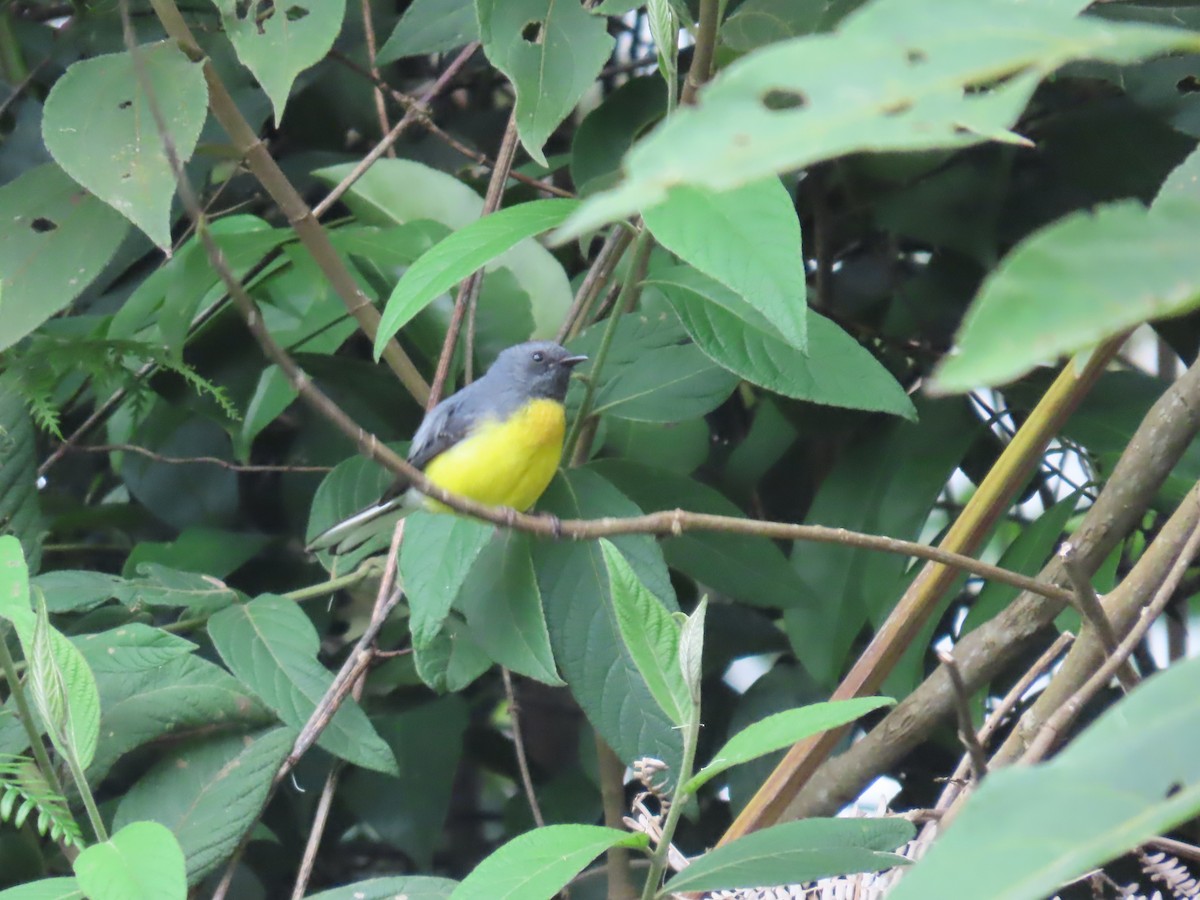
column 966, row 728
column 598, row 274
column 417, row 108
column 514, row 713
column 702, row 56
column 1065, row 714
column 417, row 112
column 468, row 291
column 299, row 216
column 377, row 94
column 317, row 831
column 191, row 460
column 1087, row 603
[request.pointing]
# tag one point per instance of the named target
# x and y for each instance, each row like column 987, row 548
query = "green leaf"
column 757, row 23
column 428, row 743
column 467, row 249
column 536, row 865
column 46, row 889
column 650, row 635
column 76, row 590
column 748, row 239
column 836, row 370
column 99, row 127
column 752, row 569
column 56, row 240
column 1093, row 265
column 583, row 629
column 142, row 861
column 782, row 730
column 208, row 794
column 20, row 511
column 886, row 482
column 652, row 374
column 285, row 41
column 396, row 191
column 14, row 584
column 610, row 129
column 62, row 687
column 796, row 852
column 691, row 650
column 503, row 607
column 163, row 586
column 452, row 660
column 412, row 887
column 435, row 559
column 134, row 647
column 899, row 75
column 271, row 646
column 186, row 696
column 1028, row 829
column 551, row 52
column 431, row 26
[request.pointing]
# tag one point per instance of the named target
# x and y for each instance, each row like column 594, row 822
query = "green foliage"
column 864, row 200
column 24, row 791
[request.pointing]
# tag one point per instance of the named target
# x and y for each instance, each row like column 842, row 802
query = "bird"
column 499, row 441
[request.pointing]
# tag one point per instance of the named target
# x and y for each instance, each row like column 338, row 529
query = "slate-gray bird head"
column 542, row 368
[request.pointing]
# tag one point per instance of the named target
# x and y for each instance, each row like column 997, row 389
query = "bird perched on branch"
column 498, row 441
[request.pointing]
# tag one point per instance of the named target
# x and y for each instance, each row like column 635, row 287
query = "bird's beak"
column 572, row 361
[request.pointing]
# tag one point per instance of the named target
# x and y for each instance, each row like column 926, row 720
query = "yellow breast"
column 505, row 463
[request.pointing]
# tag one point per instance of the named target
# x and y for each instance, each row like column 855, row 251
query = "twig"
column 612, row 798
column 414, row 114
column 310, row 232
column 1177, row 848
column 615, row 245
column 1048, row 734
column 423, row 118
column 190, row 460
column 468, row 291
column 519, row 747
column 1085, row 599
column 320, row 819
column 380, row 106
column 966, row 728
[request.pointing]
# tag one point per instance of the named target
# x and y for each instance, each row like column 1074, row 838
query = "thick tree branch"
column 1165, row 432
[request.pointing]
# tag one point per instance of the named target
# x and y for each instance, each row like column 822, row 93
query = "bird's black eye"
column 539, row 356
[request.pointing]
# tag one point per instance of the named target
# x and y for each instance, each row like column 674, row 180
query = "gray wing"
column 444, row 427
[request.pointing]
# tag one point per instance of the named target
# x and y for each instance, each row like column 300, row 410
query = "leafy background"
column 859, row 188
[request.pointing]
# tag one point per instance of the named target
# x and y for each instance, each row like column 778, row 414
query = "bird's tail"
column 350, row 533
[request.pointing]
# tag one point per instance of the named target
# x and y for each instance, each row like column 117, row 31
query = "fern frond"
column 24, row 790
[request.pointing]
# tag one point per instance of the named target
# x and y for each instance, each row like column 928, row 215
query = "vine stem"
column 679, row 797
column 625, row 300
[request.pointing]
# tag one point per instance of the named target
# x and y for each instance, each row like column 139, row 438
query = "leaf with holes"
column 551, row 52
column 271, row 646
column 898, row 75
column 279, row 45
column 57, row 238
column 100, row 128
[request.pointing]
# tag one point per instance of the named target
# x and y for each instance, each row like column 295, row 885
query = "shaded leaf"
column 796, row 852
column 271, row 646
column 435, row 559
column 20, row 511
column 208, row 794
column 536, row 865
column 431, row 26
